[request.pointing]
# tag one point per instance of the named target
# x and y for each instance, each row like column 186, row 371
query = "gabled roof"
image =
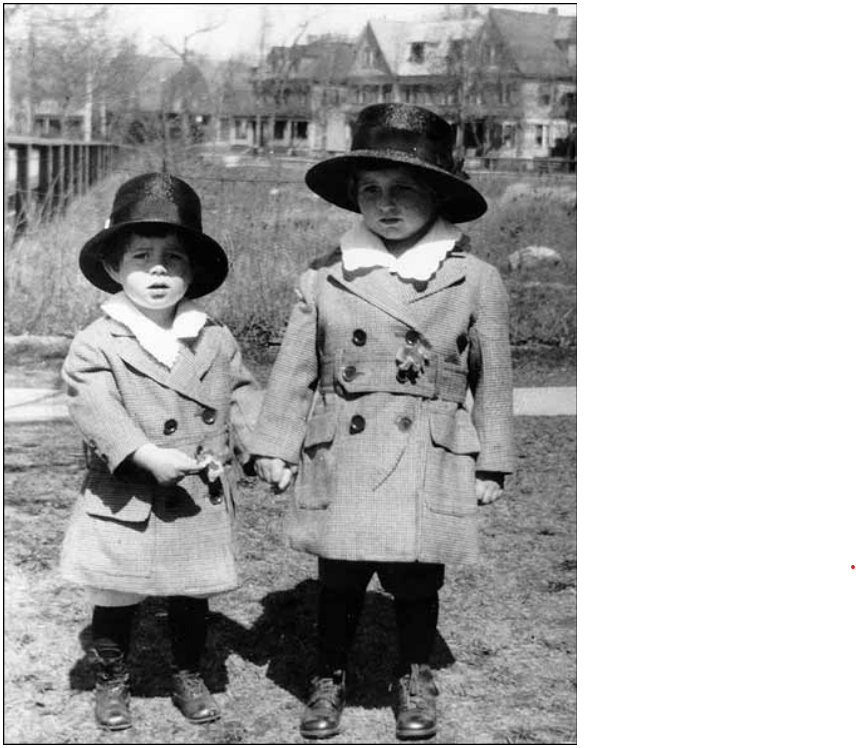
column 395, row 39
column 529, row 39
column 320, row 60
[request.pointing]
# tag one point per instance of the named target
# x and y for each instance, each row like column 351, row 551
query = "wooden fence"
column 42, row 174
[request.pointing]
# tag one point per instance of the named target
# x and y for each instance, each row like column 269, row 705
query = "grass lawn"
column 505, row 654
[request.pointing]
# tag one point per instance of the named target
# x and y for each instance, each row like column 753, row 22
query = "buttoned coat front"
column 128, row 533
column 387, row 462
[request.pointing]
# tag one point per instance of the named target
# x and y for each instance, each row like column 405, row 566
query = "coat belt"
column 439, row 380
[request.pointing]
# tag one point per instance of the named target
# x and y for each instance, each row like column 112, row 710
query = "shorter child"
column 163, row 400
column 368, row 401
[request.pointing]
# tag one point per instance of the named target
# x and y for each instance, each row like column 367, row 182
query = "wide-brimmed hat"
column 392, row 135
column 157, row 199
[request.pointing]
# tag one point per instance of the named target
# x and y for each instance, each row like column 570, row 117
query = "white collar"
column 162, row 344
column 361, row 248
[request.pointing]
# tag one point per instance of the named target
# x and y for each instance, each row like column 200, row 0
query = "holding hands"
column 275, row 471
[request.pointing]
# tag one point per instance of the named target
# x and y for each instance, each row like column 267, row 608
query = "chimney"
column 553, row 11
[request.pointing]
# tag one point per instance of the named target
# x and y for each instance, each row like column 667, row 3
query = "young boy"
column 366, row 403
column 162, row 398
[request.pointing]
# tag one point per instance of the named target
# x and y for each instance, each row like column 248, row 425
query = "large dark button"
column 461, row 342
column 209, row 415
column 404, row 423
column 400, row 377
column 359, row 337
column 170, row 426
column 349, row 372
column 411, row 337
column 358, row 424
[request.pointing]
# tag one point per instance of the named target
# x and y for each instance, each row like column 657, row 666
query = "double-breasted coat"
column 128, row 533
column 387, row 461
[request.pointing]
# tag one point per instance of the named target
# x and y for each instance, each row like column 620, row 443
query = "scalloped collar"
column 361, row 248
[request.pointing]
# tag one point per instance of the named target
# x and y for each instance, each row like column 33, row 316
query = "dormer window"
column 417, row 52
column 368, row 56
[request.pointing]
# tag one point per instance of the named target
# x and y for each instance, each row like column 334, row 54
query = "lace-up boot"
column 324, row 707
column 416, row 704
column 112, row 691
column 192, row 697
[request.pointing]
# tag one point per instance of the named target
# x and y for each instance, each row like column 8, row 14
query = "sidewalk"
column 22, row 405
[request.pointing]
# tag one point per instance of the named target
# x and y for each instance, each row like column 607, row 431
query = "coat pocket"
column 106, row 496
column 450, row 475
column 316, row 475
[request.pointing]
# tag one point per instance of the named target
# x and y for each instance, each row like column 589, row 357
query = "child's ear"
column 113, row 272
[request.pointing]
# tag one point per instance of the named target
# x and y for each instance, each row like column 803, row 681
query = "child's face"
column 395, row 205
column 154, row 271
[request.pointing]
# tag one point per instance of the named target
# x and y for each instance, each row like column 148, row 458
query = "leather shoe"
column 324, row 707
column 416, row 704
column 192, row 697
column 112, row 693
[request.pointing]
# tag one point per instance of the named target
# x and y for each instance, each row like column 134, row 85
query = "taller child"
column 367, row 402
column 165, row 404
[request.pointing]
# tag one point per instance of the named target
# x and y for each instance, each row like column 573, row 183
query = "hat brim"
column 330, row 179
column 207, row 258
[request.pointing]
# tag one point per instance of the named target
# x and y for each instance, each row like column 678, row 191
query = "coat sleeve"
column 491, row 375
column 281, row 426
column 245, row 404
column 95, row 403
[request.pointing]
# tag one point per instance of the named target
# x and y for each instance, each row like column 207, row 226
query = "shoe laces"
column 327, row 689
column 191, row 682
column 415, row 689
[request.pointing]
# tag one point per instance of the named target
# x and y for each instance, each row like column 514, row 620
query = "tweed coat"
column 128, row 533
column 387, row 463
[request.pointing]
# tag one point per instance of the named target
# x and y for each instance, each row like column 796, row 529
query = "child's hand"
column 275, row 471
column 489, row 487
column 168, row 466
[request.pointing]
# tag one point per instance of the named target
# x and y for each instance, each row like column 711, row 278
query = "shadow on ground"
column 283, row 638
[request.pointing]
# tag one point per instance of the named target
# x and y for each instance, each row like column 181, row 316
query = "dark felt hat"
column 400, row 134
column 152, row 200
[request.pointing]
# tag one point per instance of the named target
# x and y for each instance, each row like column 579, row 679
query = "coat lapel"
column 184, row 377
column 379, row 288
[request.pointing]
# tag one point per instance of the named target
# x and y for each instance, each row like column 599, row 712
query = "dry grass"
column 271, row 226
column 505, row 653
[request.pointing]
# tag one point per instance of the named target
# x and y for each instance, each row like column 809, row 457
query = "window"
column 503, row 92
column 491, row 54
column 386, row 95
column 279, row 129
column 368, row 56
column 456, row 49
column 508, row 131
column 417, row 52
column 299, row 129
column 545, row 95
column 539, row 134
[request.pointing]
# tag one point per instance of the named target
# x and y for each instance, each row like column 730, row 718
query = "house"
column 301, row 90
column 508, row 80
column 526, row 92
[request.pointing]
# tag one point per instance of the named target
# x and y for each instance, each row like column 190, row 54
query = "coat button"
column 404, row 423
column 359, row 337
column 358, row 424
column 411, row 337
column 349, row 372
column 170, row 426
column 209, row 415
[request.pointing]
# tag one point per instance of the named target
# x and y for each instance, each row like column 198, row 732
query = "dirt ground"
column 505, row 652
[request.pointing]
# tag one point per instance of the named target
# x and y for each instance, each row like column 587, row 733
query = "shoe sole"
column 416, row 734
column 117, row 728
column 320, row 734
